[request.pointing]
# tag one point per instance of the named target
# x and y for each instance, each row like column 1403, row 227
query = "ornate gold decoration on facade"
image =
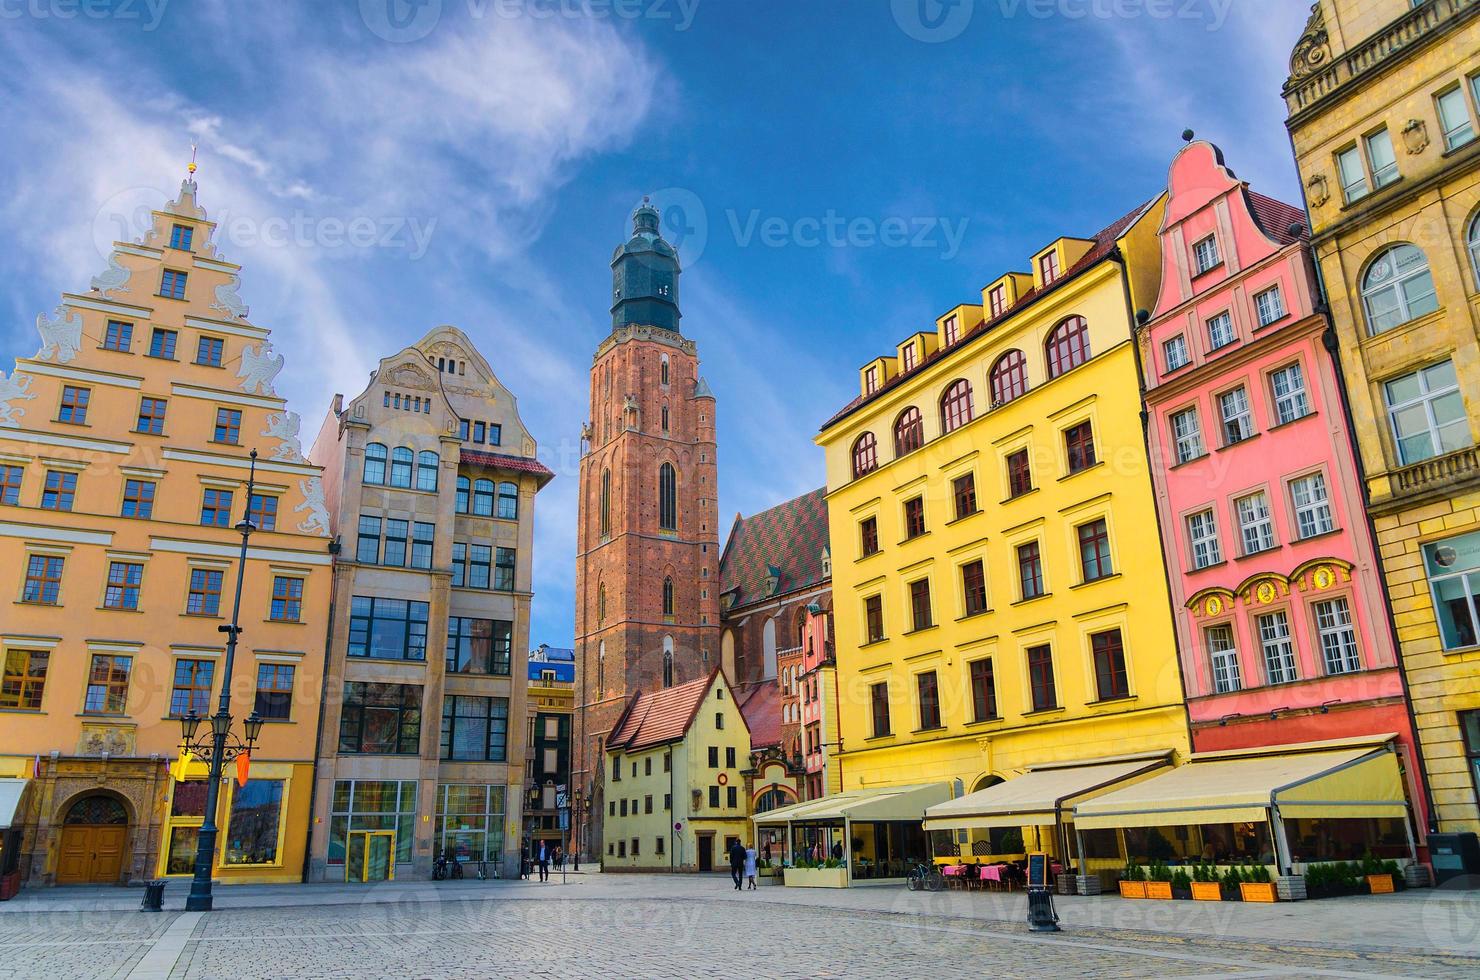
column 1214, row 605
column 1266, row 593
column 106, row 740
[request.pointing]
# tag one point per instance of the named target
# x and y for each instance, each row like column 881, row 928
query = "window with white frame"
column 1270, row 305
column 1255, row 527
column 1475, row 241
column 1290, row 401
column 1205, row 254
column 1353, row 176
column 1381, row 159
column 1427, row 413
column 1238, row 424
column 1398, row 287
column 1223, row 656
column 1202, row 533
column 1187, row 435
column 1220, row 331
column 1312, row 505
column 1338, row 638
column 1279, row 652
column 1174, row 350
column 1453, row 569
column 1454, row 118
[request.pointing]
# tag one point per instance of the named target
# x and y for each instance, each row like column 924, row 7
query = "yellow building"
column 1384, row 101
column 674, row 788
column 999, row 592
column 123, row 463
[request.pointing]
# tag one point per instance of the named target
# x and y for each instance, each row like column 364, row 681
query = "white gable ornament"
column 283, row 426
column 317, row 521
column 61, row 335
column 113, row 279
column 15, row 388
column 259, row 368
column 229, row 300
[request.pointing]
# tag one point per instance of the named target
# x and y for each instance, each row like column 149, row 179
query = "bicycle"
column 924, row 877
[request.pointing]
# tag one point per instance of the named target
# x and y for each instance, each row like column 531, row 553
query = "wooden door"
column 90, row 854
column 74, row 856
column 706, row 852
column 107, row 862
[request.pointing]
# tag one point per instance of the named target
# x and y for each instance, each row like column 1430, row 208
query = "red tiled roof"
column 657, row 717
column 790, row 536
column 1104, row 245
column 503, row 461
column 1275, row 217
column 762, row 711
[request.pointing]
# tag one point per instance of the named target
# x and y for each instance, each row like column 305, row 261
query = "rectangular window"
column 162, row 343
column 215, row 508
column 495, row 434
column 23, row 680
column 963, row 490
column 191, row 694
column 914, row 517
column 983, row 690
column 1453, row 569
column 59, row 491
column 909, row 357
column 479, row 430
column 1174, row 353
column 274, row 699
column 929, row 697
column 423, row 540
column 1381, row 158
column 868, row 533
column 208, row 351
column 43, row 579
column 151, row 416
column 1338, row 637
column 1279, row 653
column 998, row 299
column 118, row 335
column 394, row 551
column 1469, row 721
column 251, row 831
column 1312, row 506
column 73, row 408
column 1030, row 570
column 1454, row 118
column 714, row 797
column 479, row 646
column 1019, row 474
column 879, row 706
column 107, row 684
column 729, row 750
column 204, row 597
column 1256, row 530
column 138, row 499
column 1427, row 413
column 480, row 565
column 287, row 599
column 1353, row 176
column 873, row 608
column 952, row 330
column 122, row 590
column 172, row 284
column 181, row 236
column 920, row 604
column 974, row 587
column 1206, row 254
column 1048, row 267
column 1187, row 435
column 714, row 756
column 503, row 569
column 380, row 719
column 475, row 729
column 367, row 545
column 1290, row 401
column 1111, row 681
column 1094, row 550
column 262, row 511
column 1220, row 331
column 1270, row 306
column 1040, row 678
column 1079, row 442
column 10, row 484
column 228, row 426
column 1202, row 533
column 1223, row 656
column 871, row 380
column 375, row 805
column 1238, row 423
column 387, row 629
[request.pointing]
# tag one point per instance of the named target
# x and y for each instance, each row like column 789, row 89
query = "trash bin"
column 153, row 896
column 1454, row 856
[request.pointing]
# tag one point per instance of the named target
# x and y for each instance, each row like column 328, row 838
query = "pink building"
column 1281, row 616
column 817, row 692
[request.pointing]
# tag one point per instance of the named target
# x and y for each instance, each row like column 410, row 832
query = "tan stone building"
column 1384, row 103
column 430, row 479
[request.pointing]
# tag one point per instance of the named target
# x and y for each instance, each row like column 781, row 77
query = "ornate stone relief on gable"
column 410, row 376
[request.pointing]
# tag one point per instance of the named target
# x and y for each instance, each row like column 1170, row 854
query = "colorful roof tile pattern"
column 790, row 538
column 503, row 461
column 1276, row 217
column 659, row 717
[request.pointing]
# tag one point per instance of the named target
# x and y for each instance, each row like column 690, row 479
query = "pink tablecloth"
column 992, row 872
column 954, row 869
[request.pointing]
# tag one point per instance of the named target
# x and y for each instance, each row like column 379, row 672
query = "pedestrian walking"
column 750, row 870
column 737, row 862
column 559, row 857
column 544, row 861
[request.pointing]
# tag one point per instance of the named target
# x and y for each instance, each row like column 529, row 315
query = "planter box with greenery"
column 829, row 875
column 1256, row 891
column 1159, row 889
column 1132, row 889
column 1353, row 878
column 1207, row 891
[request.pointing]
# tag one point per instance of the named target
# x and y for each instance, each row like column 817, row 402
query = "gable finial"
column 190, row 169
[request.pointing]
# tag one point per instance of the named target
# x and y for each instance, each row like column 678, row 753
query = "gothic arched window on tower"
column 601, row 669
column 606, row 502
column 601, row 604
column 667, row 661
column 668, row 597
column 667, row 498
column 665, row 418
column 665, row 369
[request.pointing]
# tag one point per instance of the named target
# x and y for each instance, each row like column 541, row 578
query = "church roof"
column 762, row 711
column 789, row 538
column 659, row 717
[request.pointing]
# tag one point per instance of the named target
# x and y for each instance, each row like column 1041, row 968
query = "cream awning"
column 11, row 791
column 1341, row 778
column 1037, row 797
column 886, row 803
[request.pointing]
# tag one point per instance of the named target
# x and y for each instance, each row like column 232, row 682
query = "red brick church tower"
column 647, row 562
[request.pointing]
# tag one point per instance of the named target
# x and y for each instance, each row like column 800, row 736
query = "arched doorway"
column 985, row 781
column 94, row 834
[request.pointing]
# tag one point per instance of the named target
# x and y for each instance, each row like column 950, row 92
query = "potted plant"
column 1382, row 876
column 1181, row 884
column 1205, row 885
column 1255, row 885
column 1133, row 881
column 1159, row 880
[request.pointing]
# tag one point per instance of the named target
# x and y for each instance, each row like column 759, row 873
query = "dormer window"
column 773, row 579
column 870, row 380
column 180, row 237
column 998, row 298
column 952, row 330
column 1048, row 267
column 908, row 357
column 827, row 562
column 1205, row 253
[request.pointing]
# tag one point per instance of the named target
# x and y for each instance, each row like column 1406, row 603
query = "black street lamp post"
column 220, row 746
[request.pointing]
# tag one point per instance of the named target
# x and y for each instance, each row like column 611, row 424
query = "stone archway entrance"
column 94, row 836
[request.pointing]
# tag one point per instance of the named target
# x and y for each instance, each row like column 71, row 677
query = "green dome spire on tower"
column 645, row 273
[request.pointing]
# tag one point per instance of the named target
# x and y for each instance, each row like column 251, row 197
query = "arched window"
column 1009, row 377
column 1397, row 288
column 668, row 597
column 665, row 418
column 508, row 501
column 426, row 471
column 601, row 604
column 401, row 467
column 1475, row 248
column 1067, row 346
column 464, row 488
column 665, row 369
column 601, row 669
column 667, row 498
column 909, row 432
column 955, row 406
column 865, row 455
column 667, row 661
column 606, row 502
column 483, row 498
column 375, row 456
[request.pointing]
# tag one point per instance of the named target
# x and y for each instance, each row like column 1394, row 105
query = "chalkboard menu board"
column 1038, row 870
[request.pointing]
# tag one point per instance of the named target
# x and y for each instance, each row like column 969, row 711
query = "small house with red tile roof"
column 675, row 780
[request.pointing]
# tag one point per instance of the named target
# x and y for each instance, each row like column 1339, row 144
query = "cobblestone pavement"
column 630, row 926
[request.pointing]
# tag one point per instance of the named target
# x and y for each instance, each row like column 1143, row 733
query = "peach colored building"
column 1280, row 610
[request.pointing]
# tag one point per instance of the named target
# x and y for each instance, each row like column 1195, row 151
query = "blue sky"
column 835, row 173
